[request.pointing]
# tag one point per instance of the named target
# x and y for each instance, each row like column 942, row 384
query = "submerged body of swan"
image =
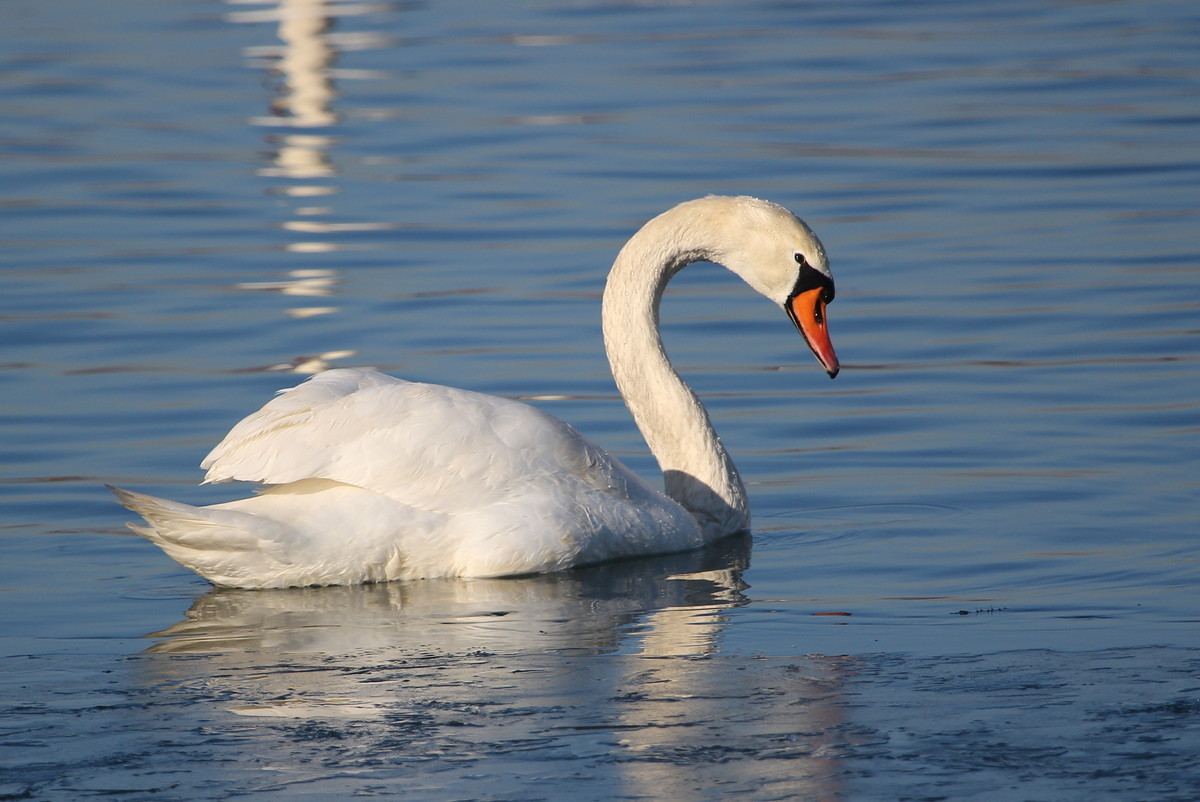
column 370, row 478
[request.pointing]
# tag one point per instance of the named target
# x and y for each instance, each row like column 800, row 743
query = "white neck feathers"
column 697, row 471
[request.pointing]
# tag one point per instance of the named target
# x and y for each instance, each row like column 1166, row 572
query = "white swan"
column 370, row 478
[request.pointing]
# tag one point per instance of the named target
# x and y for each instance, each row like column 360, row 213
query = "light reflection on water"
column 205, row 197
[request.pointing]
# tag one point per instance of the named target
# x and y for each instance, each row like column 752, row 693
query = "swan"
column 370, row 478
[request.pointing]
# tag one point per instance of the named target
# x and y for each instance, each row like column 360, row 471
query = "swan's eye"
column 800, row 260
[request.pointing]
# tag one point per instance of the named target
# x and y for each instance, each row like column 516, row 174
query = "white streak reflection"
column 298, row 282
column 302, row 69
column 308, row 364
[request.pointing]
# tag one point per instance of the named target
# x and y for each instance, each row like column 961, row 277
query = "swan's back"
column 421, row 479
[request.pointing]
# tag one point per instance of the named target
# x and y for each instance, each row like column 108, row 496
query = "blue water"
column 974, row 566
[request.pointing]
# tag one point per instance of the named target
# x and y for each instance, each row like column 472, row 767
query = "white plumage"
column 371, row 478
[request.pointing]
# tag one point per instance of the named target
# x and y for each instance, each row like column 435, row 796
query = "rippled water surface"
column 974, row 566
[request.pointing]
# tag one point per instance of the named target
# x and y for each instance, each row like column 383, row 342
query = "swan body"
column 370, row 478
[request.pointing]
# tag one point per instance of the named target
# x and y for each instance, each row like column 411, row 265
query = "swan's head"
column 777, row 254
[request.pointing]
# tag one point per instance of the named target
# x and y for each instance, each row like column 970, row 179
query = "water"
column 974, row 566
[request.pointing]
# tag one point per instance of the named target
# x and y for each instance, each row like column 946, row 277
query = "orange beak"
column 807, row 311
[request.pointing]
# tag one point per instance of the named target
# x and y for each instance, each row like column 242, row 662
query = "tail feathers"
column 181, row 528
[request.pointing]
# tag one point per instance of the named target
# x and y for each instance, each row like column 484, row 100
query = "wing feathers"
column 435, row 448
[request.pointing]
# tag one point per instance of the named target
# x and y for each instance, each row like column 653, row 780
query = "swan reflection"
column 665, row 605
column 614, row 670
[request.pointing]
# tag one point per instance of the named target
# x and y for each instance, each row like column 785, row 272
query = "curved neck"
column 697, row 471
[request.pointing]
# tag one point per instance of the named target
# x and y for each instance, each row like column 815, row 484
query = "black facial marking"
column 810, row 279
